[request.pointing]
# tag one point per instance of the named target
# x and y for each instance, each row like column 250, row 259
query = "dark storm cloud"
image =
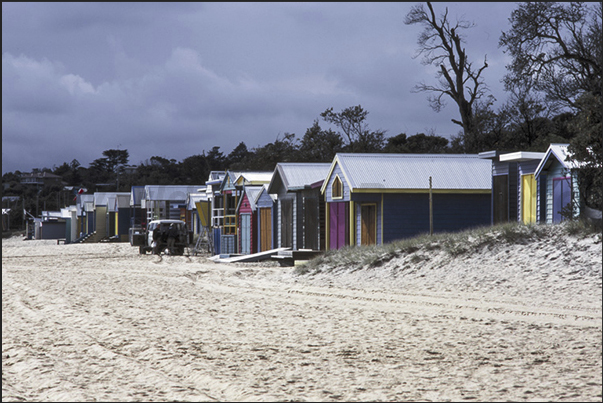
column 175, row 79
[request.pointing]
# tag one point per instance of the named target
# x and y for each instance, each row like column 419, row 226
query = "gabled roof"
column 397, row 172
column 117, row 201
column 215, row 178
column 560, row 153
column 136, row 195
column 228, row 181
column 297, row 175
column 264, row 189
column 193, row 198
column 252, row 193
column 82, row 199
column 253, row 178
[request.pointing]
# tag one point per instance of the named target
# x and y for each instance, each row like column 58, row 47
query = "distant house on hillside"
column 378, row 198
column 41, row 179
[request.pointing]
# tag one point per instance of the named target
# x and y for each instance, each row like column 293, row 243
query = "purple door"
column 561, row 197
column 338, row 225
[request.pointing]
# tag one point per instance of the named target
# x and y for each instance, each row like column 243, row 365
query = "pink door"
column 338, row 225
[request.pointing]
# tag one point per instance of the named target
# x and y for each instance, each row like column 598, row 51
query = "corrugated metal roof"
column 412, row 171
column 169, row 192
column 297, row 175
column 105, row 198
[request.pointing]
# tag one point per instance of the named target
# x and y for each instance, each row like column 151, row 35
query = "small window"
column 337, row 188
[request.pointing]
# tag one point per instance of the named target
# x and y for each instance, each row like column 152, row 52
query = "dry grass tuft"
column 352, row 258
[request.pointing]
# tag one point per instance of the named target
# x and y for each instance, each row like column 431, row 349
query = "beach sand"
column 99, row 322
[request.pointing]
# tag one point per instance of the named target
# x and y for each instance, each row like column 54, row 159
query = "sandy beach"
column 99, row 322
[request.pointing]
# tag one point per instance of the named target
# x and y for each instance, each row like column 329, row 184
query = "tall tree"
column 320, row 145
column 356, row 132
column 193, row 170
column 556, row 48
column 215, row 159
column 237, row 158
column 441, row 45
column 116, row 159
column 420, row 143
column 281, row 150
column 587, row 147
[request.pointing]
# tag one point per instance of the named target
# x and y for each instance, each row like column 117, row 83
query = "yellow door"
column 528, row 199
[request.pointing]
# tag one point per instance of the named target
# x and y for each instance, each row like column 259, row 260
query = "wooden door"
column 311, row 227
column 265, row 229
column 286, row 223
column 368, row 226
column 500, row 202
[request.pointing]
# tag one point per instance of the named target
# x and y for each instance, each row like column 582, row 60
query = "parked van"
column 153, row 238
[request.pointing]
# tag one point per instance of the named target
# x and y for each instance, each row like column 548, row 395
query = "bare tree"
column 441, row 45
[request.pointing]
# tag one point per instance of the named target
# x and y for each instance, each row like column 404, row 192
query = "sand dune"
column 99, row 322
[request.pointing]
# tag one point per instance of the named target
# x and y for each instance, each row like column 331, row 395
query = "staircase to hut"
column 87, row 238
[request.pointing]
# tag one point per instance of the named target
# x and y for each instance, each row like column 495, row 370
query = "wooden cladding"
column 286, row 223
column 266, row 229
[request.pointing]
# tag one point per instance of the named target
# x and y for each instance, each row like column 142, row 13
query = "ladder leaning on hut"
column 205, row 242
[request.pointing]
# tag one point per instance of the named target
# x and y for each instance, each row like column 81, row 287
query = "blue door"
column 562, row 197
column 245, row 234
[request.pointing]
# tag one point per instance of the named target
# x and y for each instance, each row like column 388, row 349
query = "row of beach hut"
column 364, row 199
column 356, row 199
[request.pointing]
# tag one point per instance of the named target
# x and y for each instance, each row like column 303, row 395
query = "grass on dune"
column 454, row 244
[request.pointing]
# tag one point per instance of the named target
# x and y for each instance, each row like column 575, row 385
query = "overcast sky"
column 176, row 79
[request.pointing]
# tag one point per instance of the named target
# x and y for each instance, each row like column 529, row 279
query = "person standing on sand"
column 157, row 235
column 171, row 240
